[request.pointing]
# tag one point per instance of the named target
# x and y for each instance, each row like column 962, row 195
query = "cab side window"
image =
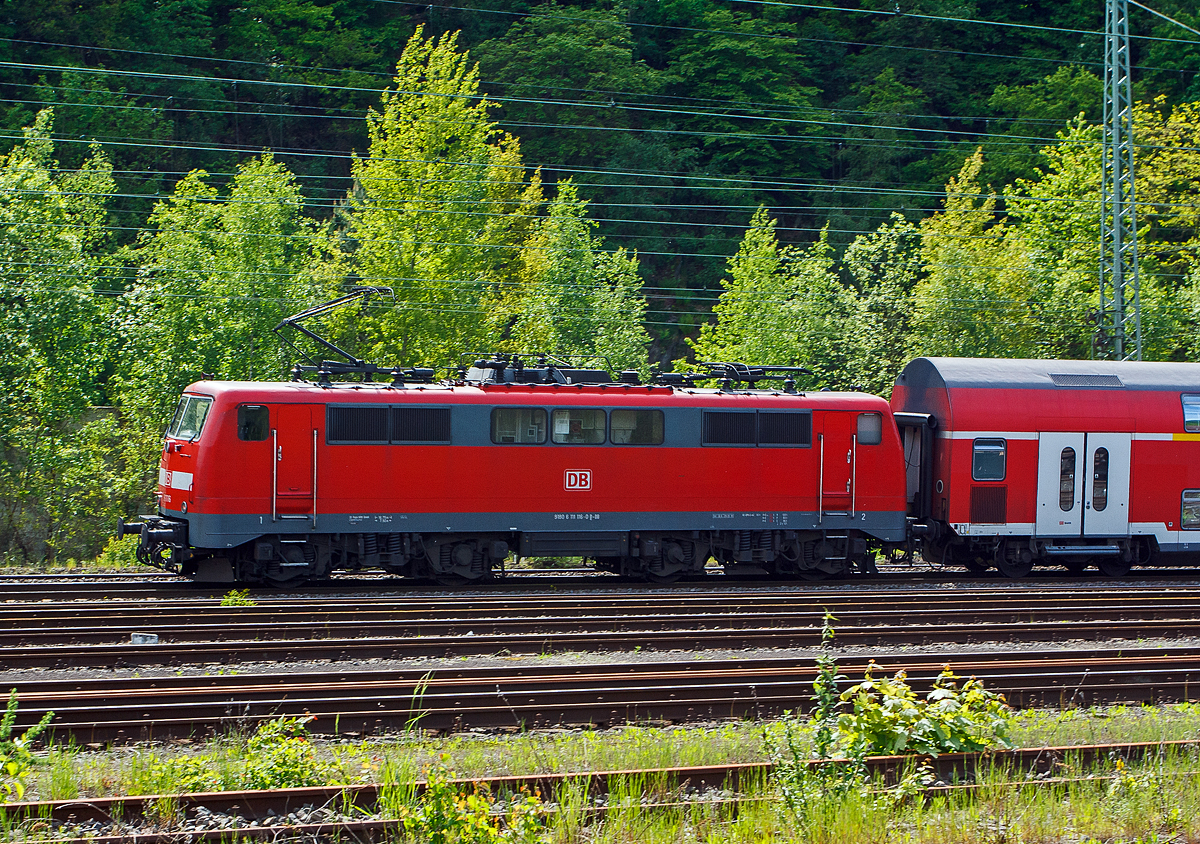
column 870, row 428
column 253, row 423
column 989, row 459
column 1191, row 412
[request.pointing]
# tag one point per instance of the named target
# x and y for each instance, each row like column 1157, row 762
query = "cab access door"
column 1083, row 485
column 294, row 473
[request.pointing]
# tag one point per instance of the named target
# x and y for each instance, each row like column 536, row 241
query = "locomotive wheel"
column 1113, row 566
column 664, row 579
column 975, row 567
column 1014, row 568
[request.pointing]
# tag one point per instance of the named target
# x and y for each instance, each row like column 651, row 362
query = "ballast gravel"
column 573, row 659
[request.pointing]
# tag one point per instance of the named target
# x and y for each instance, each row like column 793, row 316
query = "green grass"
column 66, row 771
column 1154, row 801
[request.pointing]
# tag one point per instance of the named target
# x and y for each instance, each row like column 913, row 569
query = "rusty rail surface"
column 525, row 697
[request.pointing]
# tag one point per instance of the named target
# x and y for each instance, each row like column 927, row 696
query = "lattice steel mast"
column 1120, row 332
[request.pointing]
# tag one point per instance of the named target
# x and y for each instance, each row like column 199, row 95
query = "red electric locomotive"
column 286, row 481
column 1013, row 463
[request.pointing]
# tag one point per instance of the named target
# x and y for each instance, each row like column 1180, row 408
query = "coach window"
column 521, row 425
column 578, row 426
column 1191, row 413
column 636, row 427
column 253, row 423
column 1100, row 479
column 989, row 460
column 870, row 429
column 1066, row 480
column 1189, row 519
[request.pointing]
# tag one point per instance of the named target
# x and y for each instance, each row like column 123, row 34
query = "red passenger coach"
column 286, row 481
column 1016, row 463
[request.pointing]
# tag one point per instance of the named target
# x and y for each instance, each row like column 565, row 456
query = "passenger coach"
column 1016, row 463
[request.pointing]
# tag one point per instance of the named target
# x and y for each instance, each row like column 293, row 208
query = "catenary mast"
column 1120, row 332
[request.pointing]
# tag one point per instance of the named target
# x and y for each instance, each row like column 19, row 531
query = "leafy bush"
column 119, row 553
column 180, row 775
column 889, row 718
column 446, row 815
column 15, row 757
column 238, row 598
column 282, row 757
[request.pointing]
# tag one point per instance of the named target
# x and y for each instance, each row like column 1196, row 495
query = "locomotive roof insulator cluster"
column 730, row 373
column 535, row 368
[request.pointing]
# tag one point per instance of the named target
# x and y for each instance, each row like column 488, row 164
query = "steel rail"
column 42, row 587
column 1148, row 619
column 411, row 643
column 604, row 695
column 184, row 622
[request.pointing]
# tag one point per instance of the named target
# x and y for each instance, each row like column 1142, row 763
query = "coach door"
column 1083, row 485
column 295, row 478
column 1106, row 485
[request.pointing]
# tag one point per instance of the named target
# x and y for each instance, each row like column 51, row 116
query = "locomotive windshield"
column 189, row 417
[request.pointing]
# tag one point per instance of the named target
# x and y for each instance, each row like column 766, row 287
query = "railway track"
column 39, row 587
column 524, row 697
column 40, row 635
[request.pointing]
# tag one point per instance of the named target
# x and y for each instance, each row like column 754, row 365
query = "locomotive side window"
column 362, row 424
column 1100, row 480
column 789, row 428
column 988, row 460
column 1066, row 480
column 519, row 425
column 870, row 428
column 1189, row 519
column 253, row 423
column 1191, row 413
column 189, row 417
column 579, row 426
column 421, row 425
column 729, row 428
column 636, row 427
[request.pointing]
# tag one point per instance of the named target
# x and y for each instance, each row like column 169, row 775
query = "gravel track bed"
column 600, row 659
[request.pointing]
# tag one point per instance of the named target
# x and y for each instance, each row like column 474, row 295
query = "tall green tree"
column 977, row 298
column 563, row 75
column 885, row 266
column 214, row 275
column 783, row 306
column 441, row 209
column 573, row 297
column 54, row 481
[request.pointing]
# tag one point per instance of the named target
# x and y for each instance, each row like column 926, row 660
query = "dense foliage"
column 838, row 188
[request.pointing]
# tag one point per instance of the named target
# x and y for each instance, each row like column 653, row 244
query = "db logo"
column 577, row 479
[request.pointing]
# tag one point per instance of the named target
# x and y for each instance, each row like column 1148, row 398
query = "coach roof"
column 981, row 373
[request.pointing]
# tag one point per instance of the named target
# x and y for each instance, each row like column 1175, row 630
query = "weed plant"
column 16, row 757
